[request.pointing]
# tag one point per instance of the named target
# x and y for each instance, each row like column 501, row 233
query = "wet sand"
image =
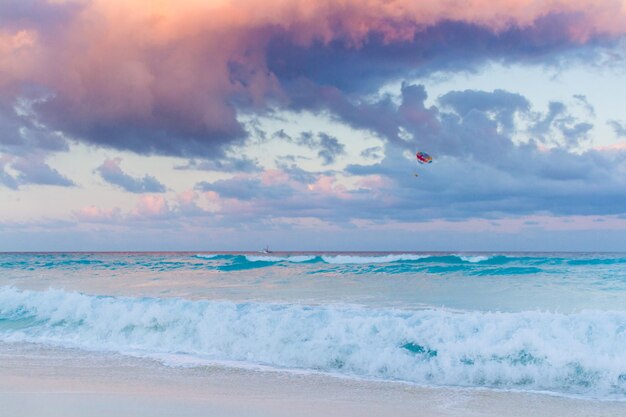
column 41, row 382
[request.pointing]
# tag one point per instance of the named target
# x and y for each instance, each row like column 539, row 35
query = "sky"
column 231, row 125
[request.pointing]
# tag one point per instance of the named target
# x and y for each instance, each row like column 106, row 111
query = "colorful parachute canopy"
column 423, row 158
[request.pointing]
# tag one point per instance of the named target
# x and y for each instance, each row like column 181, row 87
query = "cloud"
column 501, row 103
column 328, row 146
column 576, row 133
column 111, row 172
column 618, row 127
column 295, row 172
column 7, row 179
column 479, row 170
column 173, row 78
column 150, row 210
column 24, row 147
column 43, row 14
column 21, row 134
column 152, row 207
column 561, row 127
column 94, row 214
column 373, row 152
column 582, row 100
column 33, row 170
column 543, row 126
column 229, row 164
column 10, row 125
column 242, row 188
column 30, row 169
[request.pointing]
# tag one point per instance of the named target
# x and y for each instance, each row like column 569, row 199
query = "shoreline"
column 37, row 381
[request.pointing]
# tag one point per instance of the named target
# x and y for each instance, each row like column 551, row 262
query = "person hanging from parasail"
column 423, row 158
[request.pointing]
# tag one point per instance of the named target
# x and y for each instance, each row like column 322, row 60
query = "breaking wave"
column 574, row 354
column 313, row 263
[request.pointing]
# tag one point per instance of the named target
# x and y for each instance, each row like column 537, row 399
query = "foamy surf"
column 391, row 263
column 360, row 259
column 206, row 255
column 294, row 258
column 579, row 354
column 473, row 259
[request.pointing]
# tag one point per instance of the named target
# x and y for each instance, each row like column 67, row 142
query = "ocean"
column 551, row 323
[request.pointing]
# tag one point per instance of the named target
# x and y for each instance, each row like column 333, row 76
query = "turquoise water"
column 535, row 322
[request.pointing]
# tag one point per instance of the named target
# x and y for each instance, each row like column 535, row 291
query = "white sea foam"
column 579, row 353
column 206, row 255
column 473, row 259
column 294, row 258
column 358, row 259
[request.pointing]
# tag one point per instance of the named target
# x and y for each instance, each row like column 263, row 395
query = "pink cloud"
column 163, row 69
column 328, row 185
column 148, row 207
column 152, row 206
column 375, row 182
column 615, row 147
column 187, row 197
column 93, row 214
column 273, row 176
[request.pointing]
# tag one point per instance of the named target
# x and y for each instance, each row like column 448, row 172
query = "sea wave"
column 289, row 258
column 312, row 263
column 580, row 353
column 474, row 259
column 360, row 259
column 380, row 264
column 206, row 255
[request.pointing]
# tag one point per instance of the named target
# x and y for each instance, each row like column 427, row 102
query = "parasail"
column 423, row 158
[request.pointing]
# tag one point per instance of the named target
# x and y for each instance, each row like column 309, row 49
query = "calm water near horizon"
column 549, row 322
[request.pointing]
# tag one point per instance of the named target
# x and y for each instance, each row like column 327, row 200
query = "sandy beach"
column 42, row 382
